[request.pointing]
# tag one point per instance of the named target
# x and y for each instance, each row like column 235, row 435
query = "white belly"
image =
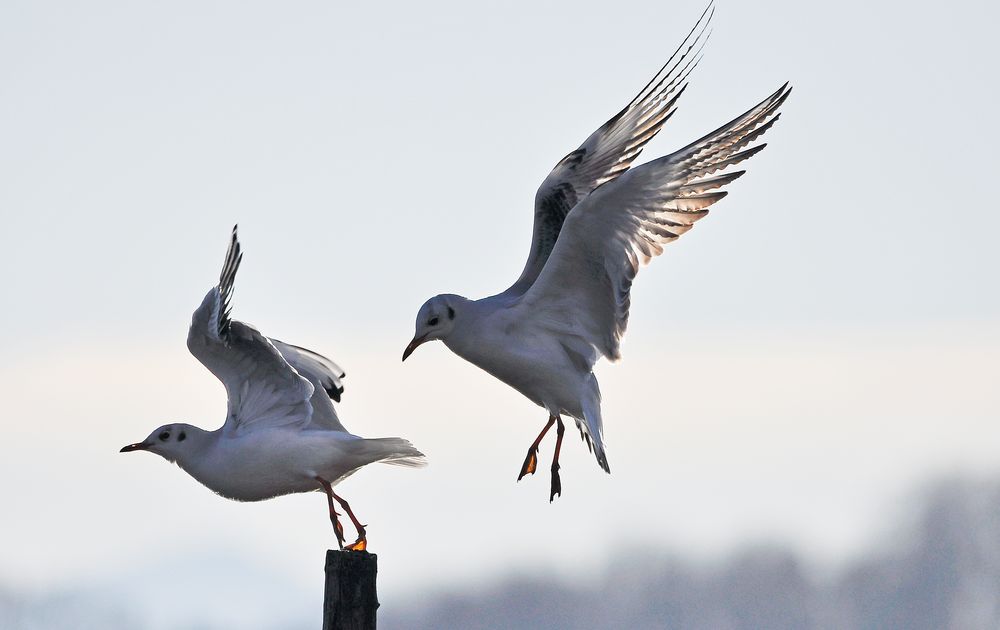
column 270, row 463
column 538, row 367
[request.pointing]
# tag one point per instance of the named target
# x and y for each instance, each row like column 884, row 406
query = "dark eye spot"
column 165, row 436
column 451, row 313
column 181, row 436
column 433, row 321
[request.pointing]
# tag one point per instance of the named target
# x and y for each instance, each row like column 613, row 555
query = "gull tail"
column 592, row 427
column 395, row 451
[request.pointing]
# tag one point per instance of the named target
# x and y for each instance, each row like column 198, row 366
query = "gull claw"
column 556, row 486
column 361, row 543
column 338, row 529
column 530, row 463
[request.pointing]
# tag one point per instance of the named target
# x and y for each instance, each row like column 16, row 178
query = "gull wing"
column 583, row 293
column 326, row 378
column 264, row 390
column 315, row 367
column 609, row 151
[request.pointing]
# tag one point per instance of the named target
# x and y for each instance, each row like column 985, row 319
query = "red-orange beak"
column 413, row 345
column 138, row 446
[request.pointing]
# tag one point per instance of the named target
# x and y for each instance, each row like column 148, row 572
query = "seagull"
column 282, row 434
column 596, row 222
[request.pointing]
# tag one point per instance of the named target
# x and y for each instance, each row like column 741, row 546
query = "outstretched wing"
column 264, row 390
column 609, row 151
column 583, row 291
column 325, row 376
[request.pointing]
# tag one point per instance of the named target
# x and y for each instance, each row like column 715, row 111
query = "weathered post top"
column 350, row 601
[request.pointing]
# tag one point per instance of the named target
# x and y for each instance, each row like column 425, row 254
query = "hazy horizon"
column 825, row 341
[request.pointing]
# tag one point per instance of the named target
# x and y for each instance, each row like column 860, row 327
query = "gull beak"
column 138, row 446
column 413, row 345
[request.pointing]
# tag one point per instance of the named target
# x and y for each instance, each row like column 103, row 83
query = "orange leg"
column 338, row 529
column 531, row 461
column 361, row 543
column 556, row 487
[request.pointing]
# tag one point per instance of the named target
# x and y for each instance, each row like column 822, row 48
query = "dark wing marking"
column 234, row 256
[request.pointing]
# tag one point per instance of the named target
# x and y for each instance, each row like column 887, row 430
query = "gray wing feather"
column 325, row 376
column 584, row 289
column 315, row 367
column 263, row 389
column 609, row 151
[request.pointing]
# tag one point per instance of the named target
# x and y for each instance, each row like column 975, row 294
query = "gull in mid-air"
column 596, row 222
column 281, row 434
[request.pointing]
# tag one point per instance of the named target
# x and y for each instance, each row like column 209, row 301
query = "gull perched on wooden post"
column 596, row 222
column 282, row 434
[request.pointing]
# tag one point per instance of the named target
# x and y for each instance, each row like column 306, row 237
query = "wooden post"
column 350, row 601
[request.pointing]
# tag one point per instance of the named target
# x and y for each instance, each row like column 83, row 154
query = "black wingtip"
column 234, row 255
column 334, row 392
column 703, row 23
column 709, row 9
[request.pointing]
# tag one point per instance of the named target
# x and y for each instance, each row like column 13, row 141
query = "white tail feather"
column 395, row 451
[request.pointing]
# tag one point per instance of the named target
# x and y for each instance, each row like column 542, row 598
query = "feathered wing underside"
column 325, row 376
column 264, row 390
column 609, row 151
column 584, row 289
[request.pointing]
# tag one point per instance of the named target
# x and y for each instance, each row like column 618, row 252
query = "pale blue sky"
column 369, row 135
column 827, row 336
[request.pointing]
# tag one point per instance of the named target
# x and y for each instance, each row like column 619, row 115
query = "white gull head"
column 173, row 442
column 436, row 319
